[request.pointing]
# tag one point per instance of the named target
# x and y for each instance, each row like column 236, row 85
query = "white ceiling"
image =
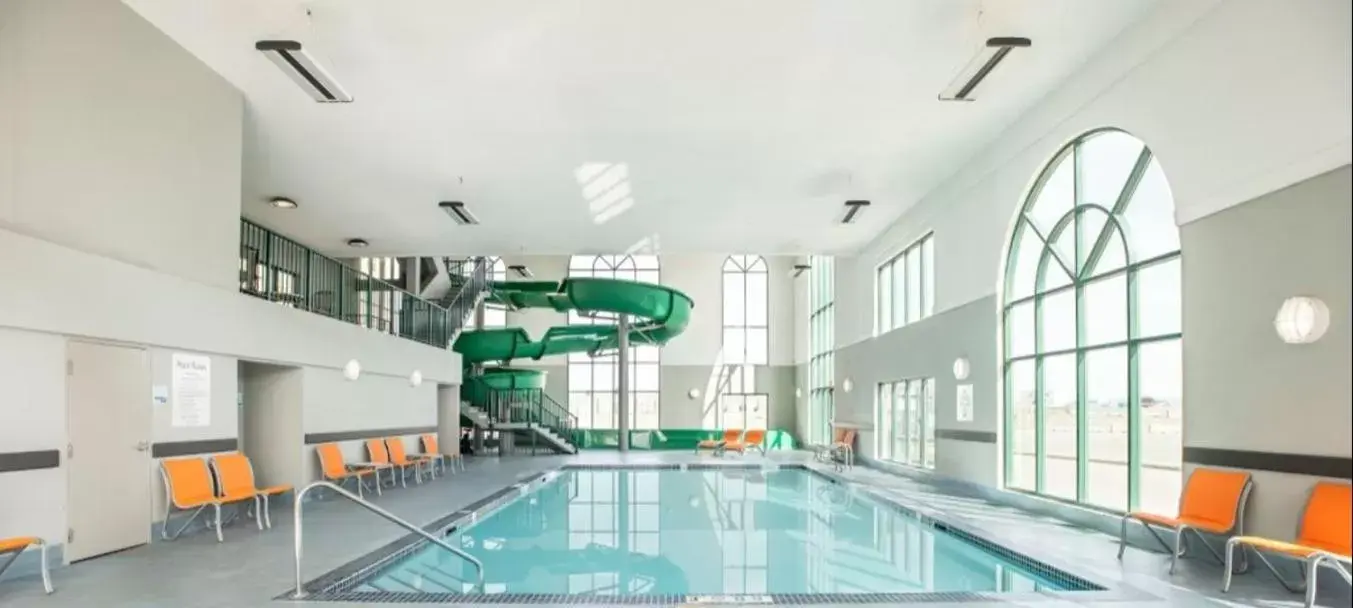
column 740, row 125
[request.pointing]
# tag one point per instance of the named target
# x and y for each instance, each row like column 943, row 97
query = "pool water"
column 695, row 532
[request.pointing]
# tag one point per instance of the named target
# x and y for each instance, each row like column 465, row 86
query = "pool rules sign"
column 191, row 385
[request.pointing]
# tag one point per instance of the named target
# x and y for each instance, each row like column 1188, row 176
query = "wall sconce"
column 693, row 393
column 352, row 370
column 962, row 368
column 847, row 385
column 1302, row 320
column 798, row 393
column 416, row 378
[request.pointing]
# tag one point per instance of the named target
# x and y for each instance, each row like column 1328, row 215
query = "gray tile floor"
column 252, row 567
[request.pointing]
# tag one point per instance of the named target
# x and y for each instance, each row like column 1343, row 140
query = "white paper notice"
column 964, row 403
column 192, row 390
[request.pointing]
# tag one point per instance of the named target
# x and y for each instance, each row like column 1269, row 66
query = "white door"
column 108, row 421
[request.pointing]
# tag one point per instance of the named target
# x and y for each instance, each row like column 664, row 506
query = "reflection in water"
column 612, row 532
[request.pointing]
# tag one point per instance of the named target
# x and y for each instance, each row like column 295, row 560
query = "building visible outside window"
column 904, row 422
column 746, row 344
column 821, row 341
column 495, row 315
column 377, row 304
column 1091, row 315
column 904, row 286
column 593, row 382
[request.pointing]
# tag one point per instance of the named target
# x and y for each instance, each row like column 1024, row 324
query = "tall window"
column 821, row 340
column 904, row 286
column 495, row 315
column 377, row 306
column 1091, row 320
column 593, row 382
column 904, row 422
column 745, row 343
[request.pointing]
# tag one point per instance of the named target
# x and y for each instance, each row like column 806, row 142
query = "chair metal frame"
column 356, row 473
column 42, row 549
column 215, row 503
column 266, row 499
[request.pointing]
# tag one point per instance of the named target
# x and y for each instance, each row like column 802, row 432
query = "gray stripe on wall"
column 29, row 461
column 174, row 449
column 1300, row 464
column 962, row 435
column 313, row 438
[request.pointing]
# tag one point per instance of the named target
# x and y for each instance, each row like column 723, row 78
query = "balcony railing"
column 278, row 269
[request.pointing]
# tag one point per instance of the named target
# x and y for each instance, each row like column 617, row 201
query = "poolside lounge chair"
column 1323, row 538
column 400, row 457
column 380, row 457
column 753, row 438
column 729, row 436
column 841, row 452
column 1213, row 501
column 431, row 448
column 188, row 485
column 335, row 470
column 235, row 478
column 14, row 546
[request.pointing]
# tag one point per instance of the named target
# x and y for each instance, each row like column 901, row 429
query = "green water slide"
column 654, row 314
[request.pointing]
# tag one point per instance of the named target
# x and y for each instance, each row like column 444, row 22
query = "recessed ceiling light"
column 358, row 243
column 282, row 202
column 303, row 70
column 521, row 271
column 458, row 212
column 981, row 66
column 853, row 209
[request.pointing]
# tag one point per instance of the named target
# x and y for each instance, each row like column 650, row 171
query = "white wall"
column 115, row 139
column 274, row 435
column 1228, row 121
column 33, row 418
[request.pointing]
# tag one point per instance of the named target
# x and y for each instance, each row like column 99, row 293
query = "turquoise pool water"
column 696, row 532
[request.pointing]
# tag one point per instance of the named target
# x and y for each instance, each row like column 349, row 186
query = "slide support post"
column 623, row 383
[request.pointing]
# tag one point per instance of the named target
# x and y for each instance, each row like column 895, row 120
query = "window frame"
column 909, row 423
column 616, row 267
column 898, row 311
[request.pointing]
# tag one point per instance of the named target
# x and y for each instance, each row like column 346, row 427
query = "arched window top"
column 744, row 263
column 1101, row 203
column 611, row 263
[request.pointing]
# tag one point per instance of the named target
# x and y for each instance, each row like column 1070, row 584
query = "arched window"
column 495, row 315
column 1091, row 319
column 746, row 294
column 593, row 381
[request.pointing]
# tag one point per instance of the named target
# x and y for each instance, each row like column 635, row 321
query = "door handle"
column 143, row 446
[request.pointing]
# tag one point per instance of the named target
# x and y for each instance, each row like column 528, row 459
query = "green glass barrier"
column 668, row 439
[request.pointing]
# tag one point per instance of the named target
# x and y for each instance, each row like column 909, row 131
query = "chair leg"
column 267, row 511
column 1312, row 569
column 1178, row 540
column 1230, row 557
column 46, row 570
column 220, row 538
column 258, row 512
column 1122, row 537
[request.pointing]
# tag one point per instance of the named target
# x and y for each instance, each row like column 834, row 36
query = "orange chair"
column 235, row 478
column 188, row 485
column 337, row 471
column 380, row 456
column 753, row 438
column 432, row 449
column 729, row 436
column 1213, row 501
column 1323, row 538
column 401, row 458
column 14, row 546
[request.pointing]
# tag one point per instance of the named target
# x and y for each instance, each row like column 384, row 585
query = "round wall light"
column 352, row 370
column 962, row 368
column 798, row 393
column 1302, row 320
column 693, row 393
column 416, row 378
column 847, row 385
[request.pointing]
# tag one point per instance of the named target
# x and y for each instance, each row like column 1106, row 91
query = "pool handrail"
column 388, row 516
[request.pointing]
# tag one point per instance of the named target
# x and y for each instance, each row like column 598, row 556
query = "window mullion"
column 1134, row 404
column 1082, row 409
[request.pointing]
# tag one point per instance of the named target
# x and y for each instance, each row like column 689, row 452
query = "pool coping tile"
column 339, row 585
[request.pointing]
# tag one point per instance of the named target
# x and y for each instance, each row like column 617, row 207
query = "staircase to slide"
column 496, row 395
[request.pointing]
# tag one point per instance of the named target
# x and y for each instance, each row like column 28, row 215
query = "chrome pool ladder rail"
column 388, row 516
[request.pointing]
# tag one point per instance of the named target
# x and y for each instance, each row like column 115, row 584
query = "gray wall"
column 927, row 349
column 274, row 438
column 1245, row 389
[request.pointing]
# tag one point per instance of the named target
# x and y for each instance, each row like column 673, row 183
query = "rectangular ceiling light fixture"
column 303, row 70
column 853, row 209
column 458, row 212
column 800, row 269
column 980, row 67
column 521, row 271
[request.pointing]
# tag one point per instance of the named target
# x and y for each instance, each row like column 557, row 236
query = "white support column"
column 623, row 384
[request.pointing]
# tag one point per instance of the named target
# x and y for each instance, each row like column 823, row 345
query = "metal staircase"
column 526, row 417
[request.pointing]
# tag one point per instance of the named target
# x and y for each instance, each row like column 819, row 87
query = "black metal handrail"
column 278, row 269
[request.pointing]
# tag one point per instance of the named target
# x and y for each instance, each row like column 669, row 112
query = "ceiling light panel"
column 291, row 58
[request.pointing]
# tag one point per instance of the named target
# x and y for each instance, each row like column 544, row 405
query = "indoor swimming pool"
column 701, row 532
